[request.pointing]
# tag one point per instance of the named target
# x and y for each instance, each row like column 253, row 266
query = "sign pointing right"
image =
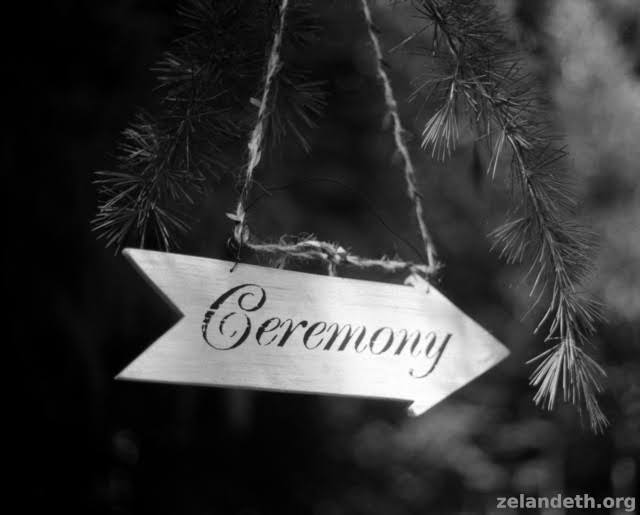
column 273, row 329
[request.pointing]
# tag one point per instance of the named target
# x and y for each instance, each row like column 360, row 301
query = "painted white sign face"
column 266, row 328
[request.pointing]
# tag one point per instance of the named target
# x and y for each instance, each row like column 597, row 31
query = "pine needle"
column 481, row 71
column 206, row 82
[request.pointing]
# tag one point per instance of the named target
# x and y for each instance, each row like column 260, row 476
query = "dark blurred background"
column 83, row 443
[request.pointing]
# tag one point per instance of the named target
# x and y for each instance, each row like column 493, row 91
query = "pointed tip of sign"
column 502, row 352
column 420, row 406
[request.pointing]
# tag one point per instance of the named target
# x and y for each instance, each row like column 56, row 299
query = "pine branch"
column 166, row 160
column 478, row 71
column 205, row 85
column 297, row 104
column 155, row 174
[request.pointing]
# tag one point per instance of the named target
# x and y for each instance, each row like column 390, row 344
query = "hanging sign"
column 266, row 328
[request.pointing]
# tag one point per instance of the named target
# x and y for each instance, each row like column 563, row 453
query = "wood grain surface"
column 266, row 328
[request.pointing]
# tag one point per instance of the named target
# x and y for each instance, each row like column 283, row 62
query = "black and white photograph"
column 325, row 257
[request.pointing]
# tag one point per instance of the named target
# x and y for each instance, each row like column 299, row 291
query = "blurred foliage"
column 85, row 444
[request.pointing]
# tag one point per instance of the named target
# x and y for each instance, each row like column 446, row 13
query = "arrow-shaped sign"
column 266, row 328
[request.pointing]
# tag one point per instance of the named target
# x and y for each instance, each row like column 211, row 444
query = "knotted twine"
column 309, row 248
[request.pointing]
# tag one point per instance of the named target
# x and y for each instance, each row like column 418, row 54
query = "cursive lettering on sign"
column 233, row 319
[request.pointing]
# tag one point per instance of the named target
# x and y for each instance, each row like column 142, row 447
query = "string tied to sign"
column 308, row 248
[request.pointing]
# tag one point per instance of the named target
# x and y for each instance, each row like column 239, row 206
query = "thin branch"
column 482, row 71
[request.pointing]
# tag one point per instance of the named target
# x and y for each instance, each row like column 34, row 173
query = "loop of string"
column 269, row 192
column 398, row 132
column 307, row 247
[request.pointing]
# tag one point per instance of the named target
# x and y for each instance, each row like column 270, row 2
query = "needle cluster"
column 475, row 77
column 207, row 88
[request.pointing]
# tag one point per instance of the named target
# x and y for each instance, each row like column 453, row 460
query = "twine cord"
column 307, row 247
column 269, row 192
column 257, row 135
column 398, row 131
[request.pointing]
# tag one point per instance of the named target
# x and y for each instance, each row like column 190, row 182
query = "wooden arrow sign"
column 266, row 328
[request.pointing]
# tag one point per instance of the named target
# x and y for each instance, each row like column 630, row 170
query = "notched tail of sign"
column 416, row 409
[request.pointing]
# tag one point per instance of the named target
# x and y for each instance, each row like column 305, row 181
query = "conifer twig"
column 206, row 81
column 480, row 70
